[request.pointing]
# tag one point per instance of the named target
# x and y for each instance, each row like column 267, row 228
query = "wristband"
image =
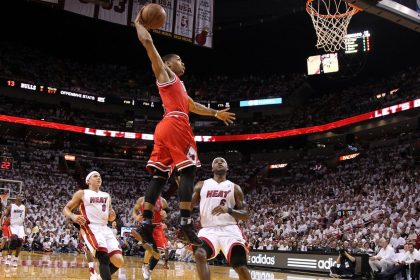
column 230, row 210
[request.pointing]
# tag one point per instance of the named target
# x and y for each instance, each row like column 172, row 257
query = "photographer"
column 345, row 266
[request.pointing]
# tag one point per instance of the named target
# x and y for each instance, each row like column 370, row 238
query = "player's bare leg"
column 238, row 261
column 150, row 262
column 203, row 270
column 165, row 265
column 91, row 263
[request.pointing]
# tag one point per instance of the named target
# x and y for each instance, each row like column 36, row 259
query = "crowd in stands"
column 296, row 211
column 25, row 64
column 362, row 98
column 29, row 65
column 301, row 210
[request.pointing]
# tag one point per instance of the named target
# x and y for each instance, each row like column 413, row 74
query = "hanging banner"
column 169, row 6
column 204, row 23
column 137, row 5
column 80, row 7
column 184, row 19
column 188, row 20
column 117, row 12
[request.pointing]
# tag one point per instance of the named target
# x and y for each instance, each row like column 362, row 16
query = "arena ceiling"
column 232, row 13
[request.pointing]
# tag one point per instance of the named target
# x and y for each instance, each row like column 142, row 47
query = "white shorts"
column 222, row 238
column 17, row 230
column 100, row 238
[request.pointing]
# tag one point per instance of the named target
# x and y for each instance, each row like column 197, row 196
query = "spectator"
column 346, row 263
column 383, row 261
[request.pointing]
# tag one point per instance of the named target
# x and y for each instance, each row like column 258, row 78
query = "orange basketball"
column 153, row 16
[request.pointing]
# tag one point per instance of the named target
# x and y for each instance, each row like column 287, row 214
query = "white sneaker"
column 15, row 262
column 146, row 272
column 7, row 262
column 95, row 276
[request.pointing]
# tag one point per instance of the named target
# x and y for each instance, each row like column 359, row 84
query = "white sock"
column 92, row 268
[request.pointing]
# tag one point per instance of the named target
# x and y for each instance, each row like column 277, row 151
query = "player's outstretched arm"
column 136, row 209
column 241, row 209
column 72, row 204
column 223, row 115
column 196, row 194
column 158, row 66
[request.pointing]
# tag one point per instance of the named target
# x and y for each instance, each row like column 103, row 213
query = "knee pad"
column 158, row 174
column 188, row 171
column 157, row 183
column 14, row 241
column 102, row 257
column 238, row 256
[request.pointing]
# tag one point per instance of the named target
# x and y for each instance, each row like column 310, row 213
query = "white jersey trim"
column 167, row 83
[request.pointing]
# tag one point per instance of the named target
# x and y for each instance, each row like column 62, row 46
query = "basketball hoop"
column 331, row 19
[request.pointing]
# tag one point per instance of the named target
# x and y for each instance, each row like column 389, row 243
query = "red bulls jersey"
column 174, row 97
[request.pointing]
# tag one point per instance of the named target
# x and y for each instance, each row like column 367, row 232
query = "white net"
column 331, row 19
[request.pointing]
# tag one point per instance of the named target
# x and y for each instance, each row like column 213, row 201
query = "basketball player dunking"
column 17, row 213
column 174, row 143
column 96, row 211
column 221, row 206
column 159, row 215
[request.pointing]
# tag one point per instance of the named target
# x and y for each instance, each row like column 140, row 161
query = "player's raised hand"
column 225, row 116
column 219, row 210
column 138, row 20
column 78, row 219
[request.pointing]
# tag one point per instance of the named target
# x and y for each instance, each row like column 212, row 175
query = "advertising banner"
column 306, row 261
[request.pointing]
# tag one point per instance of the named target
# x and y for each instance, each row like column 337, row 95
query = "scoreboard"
column 357, row 42
column 6, row 163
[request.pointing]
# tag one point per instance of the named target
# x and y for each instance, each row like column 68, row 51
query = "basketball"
column 153, row 16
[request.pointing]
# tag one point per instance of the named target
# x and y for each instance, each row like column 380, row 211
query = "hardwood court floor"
column 71, row 267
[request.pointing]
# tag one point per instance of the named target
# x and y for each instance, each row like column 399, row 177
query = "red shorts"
column 174, row 145
column 160, row 238
column 6, row 231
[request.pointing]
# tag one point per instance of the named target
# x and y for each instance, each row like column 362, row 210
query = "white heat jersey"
column 17, row 215
column 95, row 207
column 212, row 195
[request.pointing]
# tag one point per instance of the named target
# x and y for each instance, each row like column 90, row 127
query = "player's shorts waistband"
column 176, row 114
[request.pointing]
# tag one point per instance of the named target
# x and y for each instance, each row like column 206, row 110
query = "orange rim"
column 311, row 11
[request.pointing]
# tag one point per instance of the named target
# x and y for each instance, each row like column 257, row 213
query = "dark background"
column 249, row 37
